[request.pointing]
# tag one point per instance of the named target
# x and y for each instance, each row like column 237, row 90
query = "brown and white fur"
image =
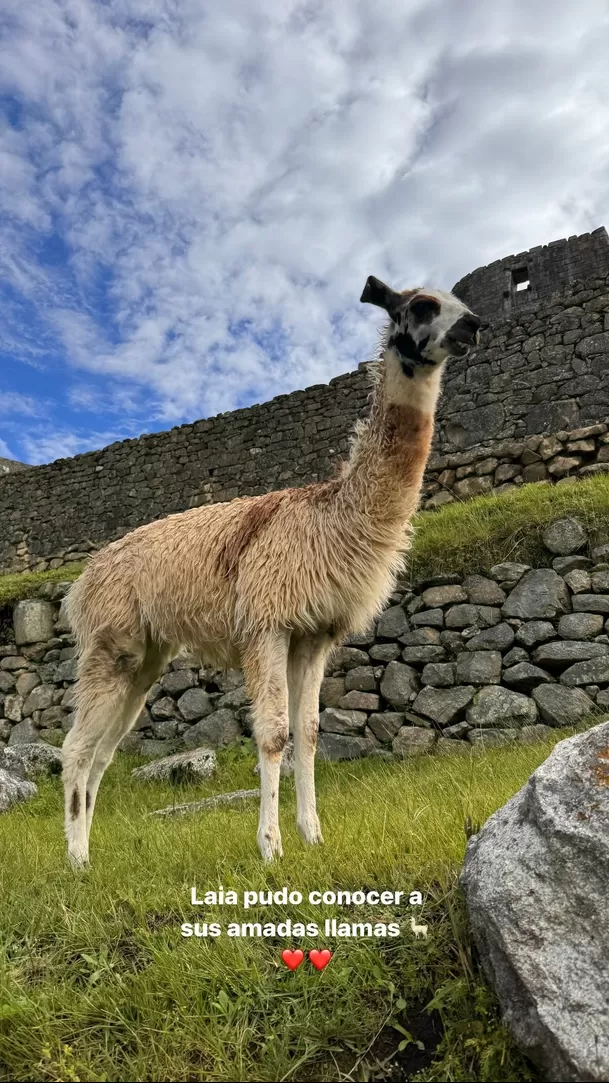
column 270, row 583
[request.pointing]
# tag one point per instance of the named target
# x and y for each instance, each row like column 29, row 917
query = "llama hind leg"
column 154, row 663
column 305, row 673
column 265, row 670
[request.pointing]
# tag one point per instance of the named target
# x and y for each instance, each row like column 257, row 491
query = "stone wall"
column 452, row 662
column 518, row 284
column 540, row 372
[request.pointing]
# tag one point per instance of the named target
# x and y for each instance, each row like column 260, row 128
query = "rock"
column 165, row 708
column 33, row 621
column 600, row 553
column 535, row 883
column 599, row 582
column 452, row 642
column 590, row 603
column 540, row 594
column 359, row 701
column 193, row 704
column 333, row 720
column 483, row 591
column 361, row 639
column 500, row 708
column 479, row 667
column 438, row 674
column 13, row 662
column 360, row 679
column 560, row 706
column 188, row 766
column 24, row 733
column 460, row 729
column 236, row 698
column 13, row 708
column 412, row 741
column 386, row 724
column 384, row 652
column 392, row 623
column 563, row 653
column 443, row 705
column 153, row 748
column 346, row 658
column 331, row 691
column 580, row 625
column 592, row 671
column 13, row 789
column 39, row 699
column 515, row 657
column 422, row 655
column 523, row 677
column 446, row 746
column 131, row 743
column 434, row 618
column 462, row 616
column 36, row 760
column 578, row 581
column 498, row 638
column 67, row 671
column 154, row 692
column 492, row 738
column 602, row 700
column 7, row 681
column 422, row 637
column 530, row 734
column 178, row 681
column 565, row 565
column 165, row 729
column 52, row 716
column 332, row 746
column 62, row 624
column 399, row 684
column 535, row 631
column 564, row 536
column 215, row 731
column 25, row 683
column 509, row 573
column 441, row 596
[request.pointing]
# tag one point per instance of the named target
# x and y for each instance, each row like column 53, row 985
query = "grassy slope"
column 456, row 537
column 96, row 982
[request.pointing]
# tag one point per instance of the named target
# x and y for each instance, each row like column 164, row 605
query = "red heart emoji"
column 292, row 959
column 320, row 959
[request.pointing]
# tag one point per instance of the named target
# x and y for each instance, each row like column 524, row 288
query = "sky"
column 193, row 194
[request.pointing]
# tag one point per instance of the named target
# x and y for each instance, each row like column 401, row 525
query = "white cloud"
column 237, row 170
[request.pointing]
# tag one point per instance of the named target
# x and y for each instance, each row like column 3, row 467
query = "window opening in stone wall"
column 520, row 279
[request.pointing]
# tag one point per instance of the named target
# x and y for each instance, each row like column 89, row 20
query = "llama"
column 271, row 583
column 419, row 930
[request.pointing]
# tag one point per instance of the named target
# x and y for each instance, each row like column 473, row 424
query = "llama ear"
column 377, row 293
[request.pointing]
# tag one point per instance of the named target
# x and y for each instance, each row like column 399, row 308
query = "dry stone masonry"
column 530, row 404
column 453, row 662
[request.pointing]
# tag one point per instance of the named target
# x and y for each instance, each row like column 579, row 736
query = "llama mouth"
column 456, row 349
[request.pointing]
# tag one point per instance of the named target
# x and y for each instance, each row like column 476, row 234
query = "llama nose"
column 466, row 329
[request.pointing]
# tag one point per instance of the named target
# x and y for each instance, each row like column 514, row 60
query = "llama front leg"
column 265, row 670
column 305, row 673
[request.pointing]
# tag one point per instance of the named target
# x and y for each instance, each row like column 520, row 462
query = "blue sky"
column 193, row 194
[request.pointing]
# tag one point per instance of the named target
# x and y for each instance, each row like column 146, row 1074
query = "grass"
column 478, row 533
column 97, row 983
column 459, row 537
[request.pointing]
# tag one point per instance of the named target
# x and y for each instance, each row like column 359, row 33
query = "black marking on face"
column 75, row 804
column 410, row 353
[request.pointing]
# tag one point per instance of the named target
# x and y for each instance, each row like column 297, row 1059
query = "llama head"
column 427, row 326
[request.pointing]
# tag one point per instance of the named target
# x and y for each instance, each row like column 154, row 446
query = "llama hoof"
column 269, row 844
column 310, row 830
column 78, row 859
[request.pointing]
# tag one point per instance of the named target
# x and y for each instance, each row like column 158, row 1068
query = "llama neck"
column 383, row 477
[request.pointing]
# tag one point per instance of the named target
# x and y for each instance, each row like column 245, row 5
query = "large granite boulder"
column 535, row 881
column 13, row 789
